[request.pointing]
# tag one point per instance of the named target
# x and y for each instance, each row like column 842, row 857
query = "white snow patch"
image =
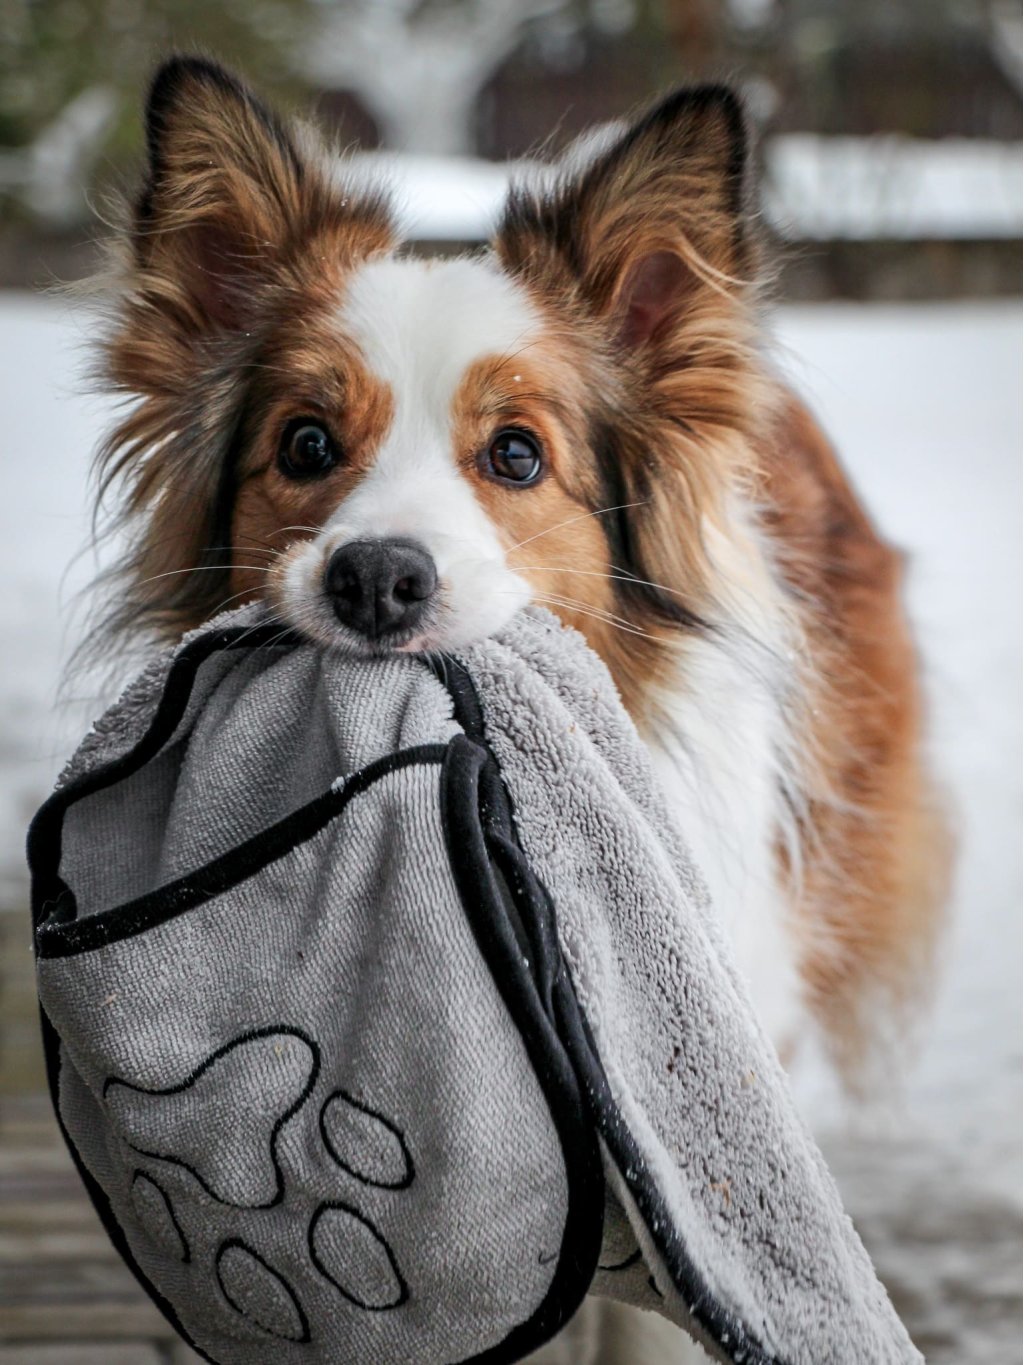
column 865, row 188
column 816, row 188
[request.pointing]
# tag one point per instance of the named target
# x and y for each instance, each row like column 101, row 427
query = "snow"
column 438, row 198
column 924, row 402
column 816, row 188
column 864, row 188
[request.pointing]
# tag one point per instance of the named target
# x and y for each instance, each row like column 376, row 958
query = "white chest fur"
column 720, row 754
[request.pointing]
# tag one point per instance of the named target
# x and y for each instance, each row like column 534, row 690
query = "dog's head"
column 399, row 453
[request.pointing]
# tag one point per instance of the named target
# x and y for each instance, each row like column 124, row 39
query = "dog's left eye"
column 306, row 450
column 514, row 457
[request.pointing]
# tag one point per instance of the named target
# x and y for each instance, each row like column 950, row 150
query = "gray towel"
column 386, row 1017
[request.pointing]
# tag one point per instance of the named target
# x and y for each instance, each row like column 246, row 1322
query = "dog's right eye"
column 307, row 450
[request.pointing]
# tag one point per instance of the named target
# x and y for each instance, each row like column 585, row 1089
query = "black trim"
column 722, row 1327
column 58, row 930
column 630, row 1260
column 45, row 832
column 63, row 935
column 474, row 804
column 455, row 678
column 98, row 1195
column 48, row 889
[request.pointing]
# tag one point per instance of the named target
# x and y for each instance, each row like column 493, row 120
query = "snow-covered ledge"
column 816, row 188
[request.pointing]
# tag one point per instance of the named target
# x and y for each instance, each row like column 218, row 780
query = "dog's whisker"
column 206, row 568
column 442, row 661
column 601, row 511
column 584, row 609
column 594, row 615
column 223, row 606
column 590, row 606
column 245, row 535
column 621, row 577
column 245, row 549
column 271, row 619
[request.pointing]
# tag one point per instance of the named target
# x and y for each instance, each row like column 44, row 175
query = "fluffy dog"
column 397, row 454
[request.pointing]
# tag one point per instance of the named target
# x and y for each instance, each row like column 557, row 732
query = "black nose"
column 379, row 587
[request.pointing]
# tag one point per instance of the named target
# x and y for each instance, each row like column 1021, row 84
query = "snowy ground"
column 925, row 404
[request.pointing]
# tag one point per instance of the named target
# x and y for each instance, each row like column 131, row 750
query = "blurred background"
column 891, row 127
column 889, row 145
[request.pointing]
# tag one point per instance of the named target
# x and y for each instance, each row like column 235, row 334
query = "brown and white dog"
column 397, row 454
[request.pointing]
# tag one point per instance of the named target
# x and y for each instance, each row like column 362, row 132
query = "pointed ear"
column 229, row 195
column 648, row 224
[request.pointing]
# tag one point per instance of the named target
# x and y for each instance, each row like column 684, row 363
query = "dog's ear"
column 229, row 195
column 646, row 242
column 647, row 224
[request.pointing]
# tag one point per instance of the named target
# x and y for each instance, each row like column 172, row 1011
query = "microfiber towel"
column 386, row 1016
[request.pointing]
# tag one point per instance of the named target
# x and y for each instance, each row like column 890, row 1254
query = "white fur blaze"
column 419, row 327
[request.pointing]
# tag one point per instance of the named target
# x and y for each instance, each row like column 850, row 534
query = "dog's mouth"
column 422, row 640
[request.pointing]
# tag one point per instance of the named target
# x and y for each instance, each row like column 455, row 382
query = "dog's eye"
column 306, row 450
column 514, row 457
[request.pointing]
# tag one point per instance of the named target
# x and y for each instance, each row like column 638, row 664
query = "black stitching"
column 200, row 1070
column 410, row 1170
column 243, row 1246
column 186, row 1251
column 403, row 1288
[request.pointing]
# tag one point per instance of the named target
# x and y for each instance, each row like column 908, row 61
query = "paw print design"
column 223, row 1122
column 222, row 1125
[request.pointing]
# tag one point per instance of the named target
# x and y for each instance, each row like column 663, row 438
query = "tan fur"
column 878, row 849
column 549, row 536
column 312, row 375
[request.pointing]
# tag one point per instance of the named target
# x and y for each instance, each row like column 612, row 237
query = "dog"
column 397, row 454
